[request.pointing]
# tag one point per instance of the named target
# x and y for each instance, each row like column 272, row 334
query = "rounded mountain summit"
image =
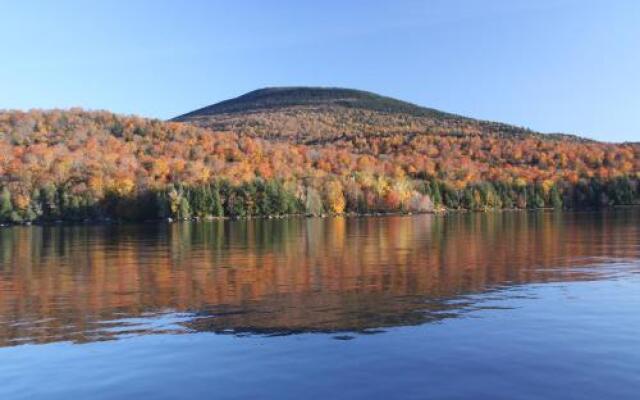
column 316, row 115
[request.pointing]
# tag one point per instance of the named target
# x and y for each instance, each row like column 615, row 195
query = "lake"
column 514, row 305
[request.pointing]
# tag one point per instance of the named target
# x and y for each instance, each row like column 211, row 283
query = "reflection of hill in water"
column 295, row 275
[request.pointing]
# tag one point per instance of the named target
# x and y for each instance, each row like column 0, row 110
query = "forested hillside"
column 78, row 165
column 311, row 115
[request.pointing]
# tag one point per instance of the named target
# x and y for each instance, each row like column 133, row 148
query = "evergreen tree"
column 555, row 198
column 162, row 204
column 6, row 207
column 184, row 210
column 217, row 209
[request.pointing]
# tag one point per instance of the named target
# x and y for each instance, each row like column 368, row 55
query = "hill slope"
column 330, row 153
column 280, row 97
column 309, row 114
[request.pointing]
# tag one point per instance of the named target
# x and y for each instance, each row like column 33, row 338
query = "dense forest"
column 308, row 115
column 79, row 165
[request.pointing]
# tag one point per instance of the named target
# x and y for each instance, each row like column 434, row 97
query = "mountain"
column 315, row 114
column 296, row 151
column 279, row 97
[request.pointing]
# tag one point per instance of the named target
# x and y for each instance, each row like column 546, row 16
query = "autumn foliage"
column 76, row 165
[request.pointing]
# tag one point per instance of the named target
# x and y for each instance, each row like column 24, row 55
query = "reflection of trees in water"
column 289, row 275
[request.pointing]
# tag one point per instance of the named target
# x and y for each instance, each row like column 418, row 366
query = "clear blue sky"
column 557, row 65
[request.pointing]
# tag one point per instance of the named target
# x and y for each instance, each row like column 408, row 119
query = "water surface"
column 495, row 306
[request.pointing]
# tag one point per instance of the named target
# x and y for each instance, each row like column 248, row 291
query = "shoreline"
column 439, row 212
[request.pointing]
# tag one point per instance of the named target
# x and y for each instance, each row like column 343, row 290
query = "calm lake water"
column 475, row 306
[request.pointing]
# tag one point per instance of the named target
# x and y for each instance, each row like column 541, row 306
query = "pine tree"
column 6, row 208
column 184, row 210
column 435, row 191
column 217, row 210
column 555, row 198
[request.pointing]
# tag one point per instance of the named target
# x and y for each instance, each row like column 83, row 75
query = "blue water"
column 544, row 333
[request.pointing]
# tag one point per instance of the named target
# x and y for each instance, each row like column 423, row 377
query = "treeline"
column 77, row 165
column 586, row 194
column 256, row 198
column 260, row 198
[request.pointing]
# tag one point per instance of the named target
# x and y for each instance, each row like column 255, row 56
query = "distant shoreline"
column 108, row 221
